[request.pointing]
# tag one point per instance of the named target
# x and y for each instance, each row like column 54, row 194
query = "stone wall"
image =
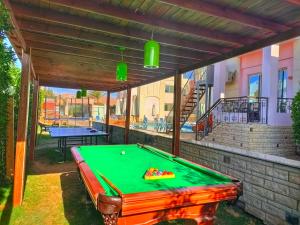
column 271, row 183
column 275, row 140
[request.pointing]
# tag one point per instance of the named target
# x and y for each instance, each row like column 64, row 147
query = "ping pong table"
column 70, row 136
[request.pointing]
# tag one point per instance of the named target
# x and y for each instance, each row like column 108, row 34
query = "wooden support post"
column 107, row 111
column 127, row 122
column 34, row 119
column 10, row 142
column 22, row 132
column 176, row 115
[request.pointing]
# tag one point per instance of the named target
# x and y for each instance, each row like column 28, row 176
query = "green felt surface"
column 126, row 171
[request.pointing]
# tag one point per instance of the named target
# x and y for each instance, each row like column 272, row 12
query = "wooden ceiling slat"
column 230, row 14
column 295, row 2
column 90, row 46
column 96, row 25
column 92, row 37
column 75, row 62
column 100, row 57
column 16, row 30
column 151, row 20
column 89, row 66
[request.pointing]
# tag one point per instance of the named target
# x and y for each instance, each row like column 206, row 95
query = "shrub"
column 296, row 117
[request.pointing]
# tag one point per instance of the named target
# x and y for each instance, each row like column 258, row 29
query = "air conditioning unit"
column 231, row 76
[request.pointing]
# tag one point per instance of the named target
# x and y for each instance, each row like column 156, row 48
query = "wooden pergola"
column 74, row 44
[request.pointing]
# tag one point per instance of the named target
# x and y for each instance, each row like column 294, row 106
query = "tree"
column 96, row 94
column 296, row 117
column 8, row 76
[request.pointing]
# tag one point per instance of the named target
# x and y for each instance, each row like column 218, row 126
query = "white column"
column 269, row 79
column 296, row 65
column 220, row 74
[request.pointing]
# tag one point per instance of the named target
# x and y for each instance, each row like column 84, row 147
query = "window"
column 282, row 91
column 282, row 83
column 254, row 85
column 168, row 106
column 169, row 89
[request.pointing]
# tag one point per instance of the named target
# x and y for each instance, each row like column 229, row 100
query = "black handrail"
column 284, row 105
column 242, row 109
column 182, row 92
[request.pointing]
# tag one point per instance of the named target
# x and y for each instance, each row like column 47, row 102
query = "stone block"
column 287, row 201
column 254, row 180
column 262, row 192
column 259, row 168
column 294, row 193
column 294, row 178
column 264, row 176
column 280, row 174
column 250, row 199
column 273, row 210
column 278, row 188
column 274, row 220
column 255, row 211
column 297, row 186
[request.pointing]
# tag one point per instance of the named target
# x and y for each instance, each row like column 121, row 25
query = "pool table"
column 114, row 178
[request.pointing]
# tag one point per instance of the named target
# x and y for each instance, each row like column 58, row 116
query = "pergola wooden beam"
column 105, row 69
column 16, row 29
column 90, row 86
column 229, row 14
column 100, row 48
column 20, row 155
column 127, row 120
column 100, row 26
column 107, row 113
column 136, row 17
column 34, row 119
column 65, row 77
column 176, row 115
column 72, row 33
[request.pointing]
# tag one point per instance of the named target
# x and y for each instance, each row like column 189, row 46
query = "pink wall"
column 250, row 64
column 286, row 52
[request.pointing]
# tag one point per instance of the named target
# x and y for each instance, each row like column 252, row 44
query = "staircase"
column 189, row 101
column 189, row 104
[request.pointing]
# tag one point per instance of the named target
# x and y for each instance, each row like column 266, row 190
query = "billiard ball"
column 123, row 153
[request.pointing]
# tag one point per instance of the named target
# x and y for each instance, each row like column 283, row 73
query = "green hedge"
column 296, row 117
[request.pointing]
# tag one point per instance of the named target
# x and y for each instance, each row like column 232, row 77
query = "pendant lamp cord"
column 152, row 34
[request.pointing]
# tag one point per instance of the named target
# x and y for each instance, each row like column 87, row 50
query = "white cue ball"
column 123, row 153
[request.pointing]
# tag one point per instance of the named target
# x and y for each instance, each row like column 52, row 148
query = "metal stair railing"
column 184, row 91
column 232, row 110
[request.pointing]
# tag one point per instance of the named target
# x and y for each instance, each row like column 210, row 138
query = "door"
column 254, row 91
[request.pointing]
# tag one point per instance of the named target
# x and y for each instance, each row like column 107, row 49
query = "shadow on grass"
column 5, row 204
column 77, row 210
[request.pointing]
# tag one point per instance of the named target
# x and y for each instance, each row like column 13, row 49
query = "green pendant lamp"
column 151, row 54
column 78, row 94
column 121, row 71
column 83, row 92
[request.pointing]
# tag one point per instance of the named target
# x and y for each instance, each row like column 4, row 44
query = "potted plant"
column 296, row 120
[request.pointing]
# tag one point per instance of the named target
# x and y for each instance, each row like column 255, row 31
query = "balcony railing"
column 233, row 110
column 284, row 105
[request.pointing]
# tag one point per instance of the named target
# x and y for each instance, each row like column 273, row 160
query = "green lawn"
column 54, row 195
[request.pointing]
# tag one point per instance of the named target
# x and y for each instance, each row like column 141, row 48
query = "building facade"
column 272, row 72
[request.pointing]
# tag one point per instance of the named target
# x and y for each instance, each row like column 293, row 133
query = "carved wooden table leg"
column 110, row 219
